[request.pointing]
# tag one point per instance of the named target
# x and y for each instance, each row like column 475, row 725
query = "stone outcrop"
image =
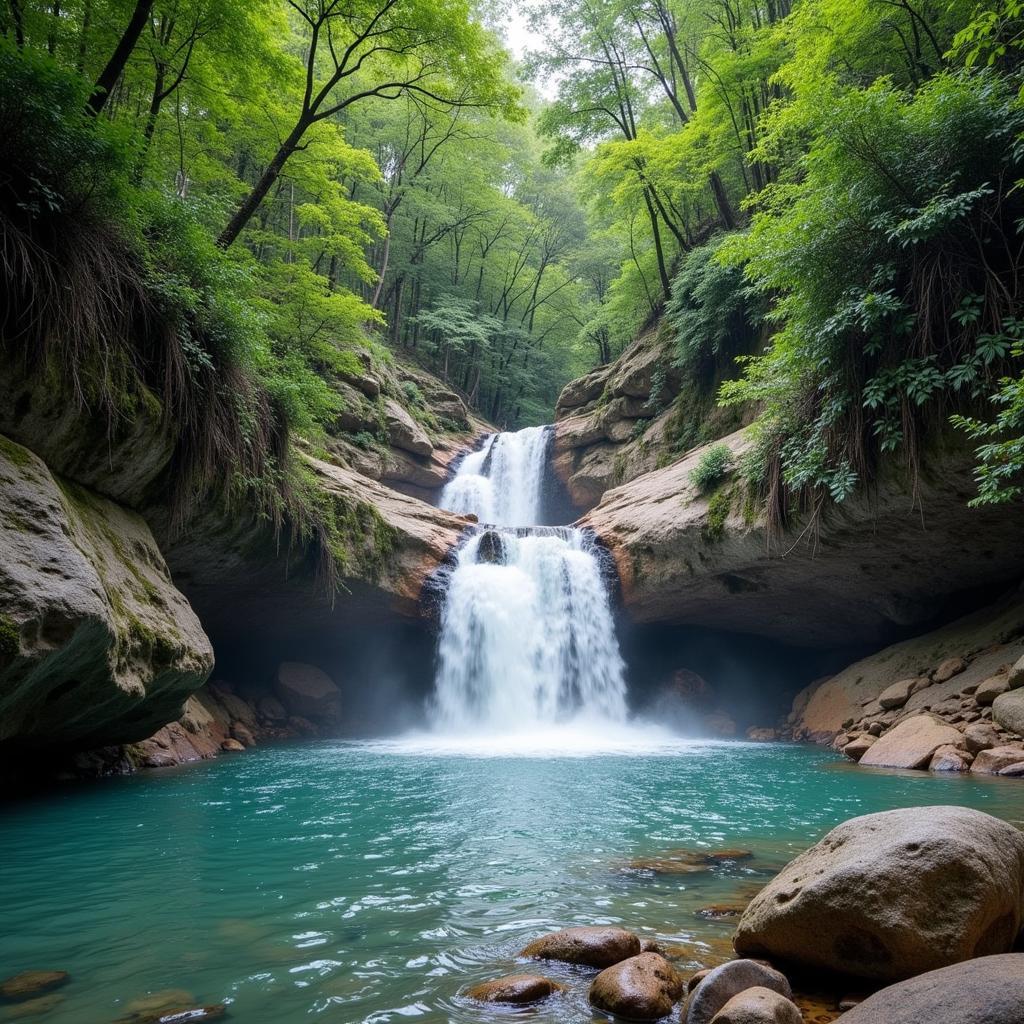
column 989, row 990
column 97, row 645
column 307, row 691
column 631, row 416
column 389, row 543
column 866, row 569
column 890, row 895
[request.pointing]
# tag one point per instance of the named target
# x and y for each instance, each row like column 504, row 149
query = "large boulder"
column 989, row 689
column 758, row 1005
column 97, row 646
column 912, row 743
column 592, row 946
column 1008, row 711
column 726, row 981
column 644, row 987
column 900, row 692
column 307, row 691
column 1015, row 677
column 989, row 990
column 994, row 759
column 403, row 431
column 890, row 895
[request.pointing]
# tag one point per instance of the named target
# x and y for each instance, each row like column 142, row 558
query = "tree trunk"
column 251, row 202
column 722, row 202
column 112, row 72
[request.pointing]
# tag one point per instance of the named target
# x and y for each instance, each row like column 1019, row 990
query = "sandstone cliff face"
column 885, row 559
column 98, row 646
column 629, row 417
column 241, row 578
column 96, row 643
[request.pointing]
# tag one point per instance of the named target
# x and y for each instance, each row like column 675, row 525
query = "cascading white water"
column 502, row 483
column 527, row 635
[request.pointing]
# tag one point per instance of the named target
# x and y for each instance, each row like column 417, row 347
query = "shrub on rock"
column 890, row 895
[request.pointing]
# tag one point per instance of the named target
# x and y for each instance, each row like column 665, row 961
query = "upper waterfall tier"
column 503, row 483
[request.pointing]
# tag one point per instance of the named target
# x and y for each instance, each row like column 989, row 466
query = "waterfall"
column 527, row 635
column 503, row 482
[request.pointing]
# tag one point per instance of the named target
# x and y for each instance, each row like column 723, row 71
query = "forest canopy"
column 266, row 192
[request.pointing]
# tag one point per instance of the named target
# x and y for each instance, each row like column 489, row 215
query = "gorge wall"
column 110, row 612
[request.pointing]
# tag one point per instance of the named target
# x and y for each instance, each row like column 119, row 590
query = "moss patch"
column 718, row 512
column 10, row 638
column 14, row 453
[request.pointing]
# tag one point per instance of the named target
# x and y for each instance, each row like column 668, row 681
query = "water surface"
column 372, row 883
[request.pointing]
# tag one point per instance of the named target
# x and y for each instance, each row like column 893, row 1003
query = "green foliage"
column 904, row 212
column 712, row 467
column 10, row 638
column 710, row 310
column 719, row 505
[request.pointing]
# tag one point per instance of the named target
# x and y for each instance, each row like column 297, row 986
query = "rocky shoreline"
column 902, row 916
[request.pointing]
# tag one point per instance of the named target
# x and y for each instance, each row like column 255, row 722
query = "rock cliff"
column 887, row 559
column 96, row 643
column 105, row 604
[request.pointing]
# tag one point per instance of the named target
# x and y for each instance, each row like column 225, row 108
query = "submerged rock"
column 176, row 1015
column 886, row 896
column 758, row 1005
column 720, row 985
column 515, row 988
column 35, row 1007
column 592, row 946
column 31, row 983
column 989, row 990
column 644, row 987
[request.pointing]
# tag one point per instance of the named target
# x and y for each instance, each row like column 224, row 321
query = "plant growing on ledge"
column 712, row 467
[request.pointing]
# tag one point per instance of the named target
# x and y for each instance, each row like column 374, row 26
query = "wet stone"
column 31, row 983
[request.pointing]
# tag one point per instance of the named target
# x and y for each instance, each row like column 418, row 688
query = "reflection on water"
column 373, row 882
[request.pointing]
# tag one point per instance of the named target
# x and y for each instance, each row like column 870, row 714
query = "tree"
column 429, row 48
